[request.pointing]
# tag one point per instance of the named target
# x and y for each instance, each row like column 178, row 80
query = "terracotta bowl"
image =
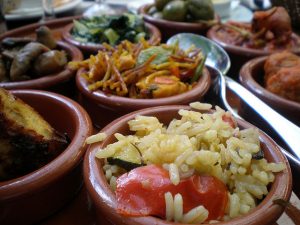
column 104, row 108
column 90, row 48
column 240, row 55
column 169, row 28
column 30, row 198
column 251, row 76
column 105, row 200
column 60, row 82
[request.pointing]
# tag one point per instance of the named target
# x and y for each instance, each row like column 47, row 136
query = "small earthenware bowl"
column 60, row 82
column 104, row 108
column 32, row 197
column 252, row 77
column 240, row 55
column 105, row 200
column 92, row 48
column 169, row 28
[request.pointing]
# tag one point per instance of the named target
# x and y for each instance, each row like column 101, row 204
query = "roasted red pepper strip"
column 140, row 192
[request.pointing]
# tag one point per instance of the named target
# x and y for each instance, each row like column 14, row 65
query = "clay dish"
column 169, row 28
column 251, row 76
column 105, row 201
column 30, row 198
column 104, row 108
column 57, row 82
column 240, row 55
column 90, row 48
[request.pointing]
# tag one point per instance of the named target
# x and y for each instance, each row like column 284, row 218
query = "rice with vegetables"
column 198, row 147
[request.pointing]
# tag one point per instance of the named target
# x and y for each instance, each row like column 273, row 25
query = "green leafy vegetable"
column 109, row 28
column 162, row 55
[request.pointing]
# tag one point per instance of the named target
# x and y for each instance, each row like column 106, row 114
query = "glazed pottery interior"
column 239, row 55
column 30, row 198
column 61, row 82
column 104, row 108
column 252, row 75
column 92, row 48
column 105, row 201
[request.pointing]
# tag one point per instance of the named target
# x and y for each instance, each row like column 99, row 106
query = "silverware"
column 218, row 59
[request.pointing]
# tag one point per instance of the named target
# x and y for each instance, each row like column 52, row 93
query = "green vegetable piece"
column 128, row 158
column 139, row 36
column 198, row 71
column 160, row 4
column 162, row 55
column 201, row 9
column 80, row 28
column 112, row 36
column 175, row 11
column 259, row 155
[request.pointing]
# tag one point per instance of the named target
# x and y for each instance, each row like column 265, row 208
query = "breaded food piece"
column 286, row 83
column 279, row 60
column 27, row 141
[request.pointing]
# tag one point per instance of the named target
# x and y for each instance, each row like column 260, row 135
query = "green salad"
column 111, row 29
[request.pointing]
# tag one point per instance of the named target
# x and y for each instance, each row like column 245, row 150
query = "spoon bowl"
column 285, row 129
column 216, row 55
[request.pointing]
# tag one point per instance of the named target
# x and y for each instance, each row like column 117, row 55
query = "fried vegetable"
column 129, row 158
column 22, row 61
column 50, row 62
column 27, row 141
column 142, row 70
column 201, row 9
column 45, row 37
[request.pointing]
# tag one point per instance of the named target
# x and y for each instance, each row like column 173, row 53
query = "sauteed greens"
column 111, row 29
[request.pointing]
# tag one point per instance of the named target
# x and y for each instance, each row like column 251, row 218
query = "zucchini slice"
column 129, row 158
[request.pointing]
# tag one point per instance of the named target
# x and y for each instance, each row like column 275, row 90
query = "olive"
column 175, row 11
column 160, row 4
column 201, row 9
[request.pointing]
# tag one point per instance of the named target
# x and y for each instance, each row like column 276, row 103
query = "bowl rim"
column 169, row 23
column 63, row 163
column 198, row 91
column 246, row 78
column 104, row 198
column 239, row 50
column 154, row 32
column 49, row 80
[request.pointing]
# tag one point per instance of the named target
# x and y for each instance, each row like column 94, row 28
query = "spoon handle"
column 289, row 132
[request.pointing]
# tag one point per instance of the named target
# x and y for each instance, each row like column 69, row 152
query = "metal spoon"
column 218, row 59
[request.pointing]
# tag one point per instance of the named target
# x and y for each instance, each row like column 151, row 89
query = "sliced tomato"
column 141, row 191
